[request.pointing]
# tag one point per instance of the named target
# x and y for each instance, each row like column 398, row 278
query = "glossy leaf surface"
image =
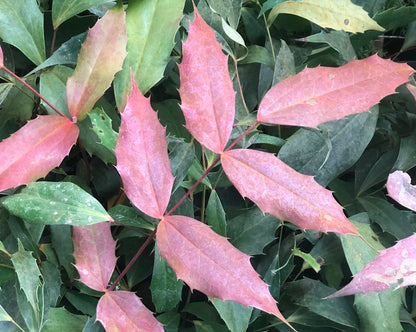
column 151, row 28
column 339, row 15
column 123, row 311
column 42, row 143
column 95, row 259
column 395, row 265
column 314, row 95
column 206, row 89
column 21, row 25
column 56, row 203
column 207, row 262
column 400, row 189
column 97, row 62
column 142, row 156
column 281, row 191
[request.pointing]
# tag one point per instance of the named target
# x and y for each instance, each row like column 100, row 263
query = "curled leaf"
column 281, row 191
column 400, row 189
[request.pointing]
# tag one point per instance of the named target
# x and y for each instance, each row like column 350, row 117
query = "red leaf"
column 206, row 89
column 36, row 148
column 394, row 265
column 322, row 94
column 400, row 189
column 207, row 262
column 142, row 156
column 94, row 249
column 281, row 191
column 123, row 311
column 102, row 55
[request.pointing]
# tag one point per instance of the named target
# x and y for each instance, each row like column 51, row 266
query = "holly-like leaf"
column 42, row 143
column 101, row 56
column 123, row 311
column 395, row 265
column 322, row 94
column 281, row 191
column 206, row 89
column 56, row 203
column 94, row 249
column 339, row 15
column 399, row 188
column 142, row 156
column 207, row 262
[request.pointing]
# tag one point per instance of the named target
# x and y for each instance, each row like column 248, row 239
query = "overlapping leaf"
column 142, row 156
column 207, row 262
column 400, row 189
column 395, row 265
column 206, row 89
column 101, row 56
column 322, row 94
column 338, row 15
column 35, row 149
column 123, row 311
column 281, row 191
column 95, row 259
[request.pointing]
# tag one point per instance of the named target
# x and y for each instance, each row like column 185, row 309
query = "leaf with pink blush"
column 1, row 58
column 321, row 94
column 281, row 191
column 35, row 149
column 206, row 90
column 142, row 156
column 94, row 252
column 400, row 189
column 101, row 57
column 209, row 263
column 121, row 311
column 395, row 265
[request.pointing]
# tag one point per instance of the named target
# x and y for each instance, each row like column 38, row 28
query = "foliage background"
column 353, row 157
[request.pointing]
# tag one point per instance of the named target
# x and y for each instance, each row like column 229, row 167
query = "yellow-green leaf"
column 337, row 15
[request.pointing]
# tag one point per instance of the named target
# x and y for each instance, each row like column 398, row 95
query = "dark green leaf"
column 130, row 217
column 102, row 127
column 215, row 214
column 407, row 154
column 62, row 320
column 235, row 315
column 181, row 157
column 258, row 54
column 284, row 65
column 394, row 18
column 50, row 203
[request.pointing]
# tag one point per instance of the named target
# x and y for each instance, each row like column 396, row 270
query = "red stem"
column 33, row 90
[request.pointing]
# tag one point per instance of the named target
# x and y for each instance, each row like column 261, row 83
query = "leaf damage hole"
column 346, row 21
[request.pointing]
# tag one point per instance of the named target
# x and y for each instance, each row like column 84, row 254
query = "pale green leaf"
column 21, row 25
column 52, row 203
column 337, row 15
column 235, row 315
column 309, row 260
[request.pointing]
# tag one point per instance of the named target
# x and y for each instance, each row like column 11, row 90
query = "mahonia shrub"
column 151, row 208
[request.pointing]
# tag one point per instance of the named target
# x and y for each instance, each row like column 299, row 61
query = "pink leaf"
column 121, row 311
column 142, row 156
column 101, row 56
column 95, row 259
column 281, row 191
column 1, row 58
column 394, row 265
column 400, row 189
column 206, row 89
column 207, row 262
column 322, row 94
column 36, row 148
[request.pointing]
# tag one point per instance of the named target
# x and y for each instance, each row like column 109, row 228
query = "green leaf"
column 181, row 157
column 102, row 127
column 284, row 65
column 258, row 54
column 62, row 320
column 28, row 275
column 64, row 10
column 4, row 316
column 151, row 27
column 61, row 236
column 235, row 315
column 21, row 25
column 251, row 231
column 215, row 214
column 309, row 261
column 165, row 286
column 407, row 154
column 333, row 149
column 130, row 217
column 52, row 203
column 394, row 18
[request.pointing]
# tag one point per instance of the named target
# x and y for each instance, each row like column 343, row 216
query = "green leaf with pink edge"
column 101, row 57
column 281, row 191
column 123, row 311
column 142, row 156
column 94, row 253
column 41, row 143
